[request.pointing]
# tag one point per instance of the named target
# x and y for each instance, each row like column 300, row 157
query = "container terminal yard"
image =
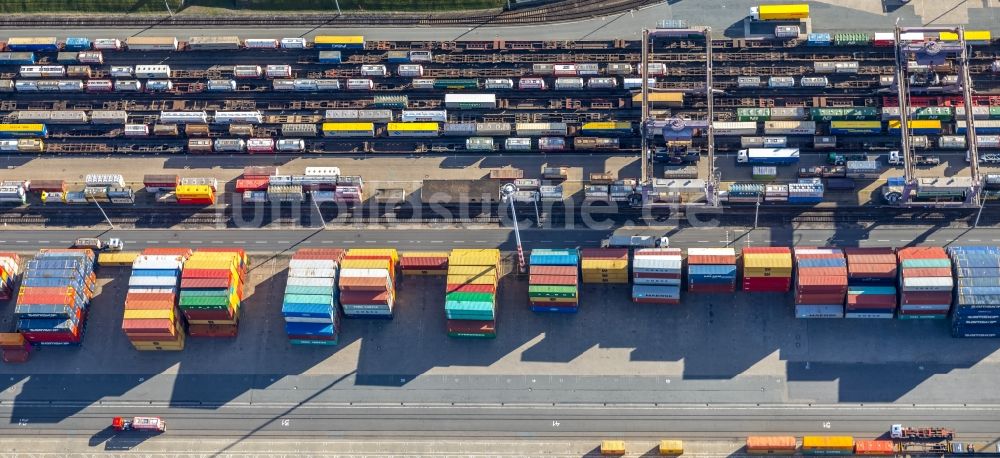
column 307, row 243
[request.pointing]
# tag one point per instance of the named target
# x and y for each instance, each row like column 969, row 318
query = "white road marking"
column 823, row 240
column 372, row 241
column 397, row 241
column 483, row 241
column 882, row 241
column 154, row 242
column 261, row 241
column 284, row 241
column 331, row 241
column 44, row 242
column 971, row 240
column 173, row 241
column 219, row 241
column 348, row 241
column 436, row 241
column 197, row 242
column 67, row 241
column 703, row 241
column 459, row 241
column 546, row 241
column 20, row 241
column 240, row 242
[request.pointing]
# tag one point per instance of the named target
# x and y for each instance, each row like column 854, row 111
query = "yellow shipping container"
column 159, row 346
column 165, row 314
column 670, row 99
column 616, row 281
column 671, row 447
column 827, row 443
column 120, row 259
column 604, row 271
column 970, row 35
column 777, row 260
column 339, row 40
column 348, row 126
column 191, row 190
column 366, row 264
column 782, row 12
column 472, row 270
column 612, row 448
column 471, row 280
column 391, row 252
column 916, row 124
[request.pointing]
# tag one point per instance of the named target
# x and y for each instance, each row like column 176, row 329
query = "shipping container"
column 293, row 43
column 213, row 43
column 137, row 43
column 338, row 42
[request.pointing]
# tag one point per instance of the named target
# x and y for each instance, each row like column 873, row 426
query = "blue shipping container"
column 77, row 44
column 818, row 39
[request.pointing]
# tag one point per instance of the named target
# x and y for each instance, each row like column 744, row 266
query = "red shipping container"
column 563, row 280
column 185, row 252
column 604, row 253
column 205, row 283
column 711, row 260
column 871, row 270
column 767, row 284
column 925, row 298
column 227, row 314
column 365, row 297
column 553, row 270
column 940, row 311
column 871, row 300
column 251, row 184
column 658, row 252
column 472, row 326
column 48, row 186
column 206, row 273
column 149, row 297
column 46, row 299
column 927, row 252
column 319, row 256
column 140, row 326
column 464, row 288
column 874, row 447
column 927, row 272
column 711, row 288
column 213, row 330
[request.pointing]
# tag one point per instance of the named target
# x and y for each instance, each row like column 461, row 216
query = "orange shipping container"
column 771, row 444
column 874, row 447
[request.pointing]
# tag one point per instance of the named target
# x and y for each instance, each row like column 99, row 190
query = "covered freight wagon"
column 918, row 127
column 151, row 43
column 470, row 101
column 611, row 128
column 348, row 129
column 339, row 42
column 413, row 129
column 855, row 127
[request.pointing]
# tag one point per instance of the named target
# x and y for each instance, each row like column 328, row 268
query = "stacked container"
column 604, row 265
column 977, row 298
column 15, row 347
column 656, row 276
column 925, row 283
column 368, row 282
column 311, row 297
column 424, row 263
column 711, row 270
column 9, row 271
column 820, row 282
column 767, row 269
column 51, row 306
column 471, row 292
column 871, row 283
column 195, row 195
column 212, row 291
column 151, row 321
column 553, row 283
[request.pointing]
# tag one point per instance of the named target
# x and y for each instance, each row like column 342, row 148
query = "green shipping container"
column 203, row 302
column 321, row 290
column 925, row 263
column 852, row 39
column 994, row 112
column 206, row 293
column 933, row 113
column 469, row 306
column 844, row 114
column 458, row 83
column 466, row 335
column 485, row 316
column 552, row 291
column 313, row 342
column 753, row 114
column 922, row 317
column 470, row 297
column 391, row 101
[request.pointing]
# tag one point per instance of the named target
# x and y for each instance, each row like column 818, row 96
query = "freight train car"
column 23, row 130
column 339, row 42
column 348, row 129
column 595, row 143
column 470, row 101
column 413, row 129
column 918, row 127
column 17, row 58
column 456, row 83
column 33, row 44
column 855, row 127
column 984, row 127
column 779, row 12
column 607, row 128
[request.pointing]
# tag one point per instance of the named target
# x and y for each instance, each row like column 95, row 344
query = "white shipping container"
column 322, row 171
column 152, row 71
column 374, row 70
column 298, row 280
column 410, row 70
column 260, row 43
column 312, row 264
column 136, row 130
column 656, row 281
column 293, row 43
column 360, row 84
column 111, row 44
column 927, row 283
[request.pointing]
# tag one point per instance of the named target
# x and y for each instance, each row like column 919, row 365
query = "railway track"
column 563, row 11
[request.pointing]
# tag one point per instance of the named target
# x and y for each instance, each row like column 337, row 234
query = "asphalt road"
column 405, row 238
column 724, row 16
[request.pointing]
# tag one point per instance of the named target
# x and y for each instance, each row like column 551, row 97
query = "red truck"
column 153, row 424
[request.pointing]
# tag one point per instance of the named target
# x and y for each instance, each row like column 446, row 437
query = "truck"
column 895, row 158
column 841, row 159
column 636, row 241
column 151, row 424
column 96, row 244
column 902, row 433
column 768, row 156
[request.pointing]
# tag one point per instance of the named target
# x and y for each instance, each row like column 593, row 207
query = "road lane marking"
column 44, row 242
column 261, row 241
column 331, row 241
column 20, row 241
column 284, row 241
column 173, row 241
column 67, row 241
column 392, row 241
column 703, row 241
column 435, row 241
column 216, row 241
column 152, row 242
column 480, row 241
column 882, row 241
column 196, row 242
column 240, row 242
column 369, row 241
column 973, row 240
column 459, row 241
column 348, row 241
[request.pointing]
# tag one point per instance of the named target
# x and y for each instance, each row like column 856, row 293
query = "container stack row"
column 151, row 321
column 767, row 269
column 212, row 292
column 52, row 305
column 711, row 270
column 471, row 293
column 604, row 265
column 553, row 284
column 368, row 282
column 424, row 263
column 10, row 271
column 977, row 298
column 309, row 305
column 14, row 347
column 820, row 282
column 925, row 283
column 195, row 195
column 656, row 276
column 871, row 283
